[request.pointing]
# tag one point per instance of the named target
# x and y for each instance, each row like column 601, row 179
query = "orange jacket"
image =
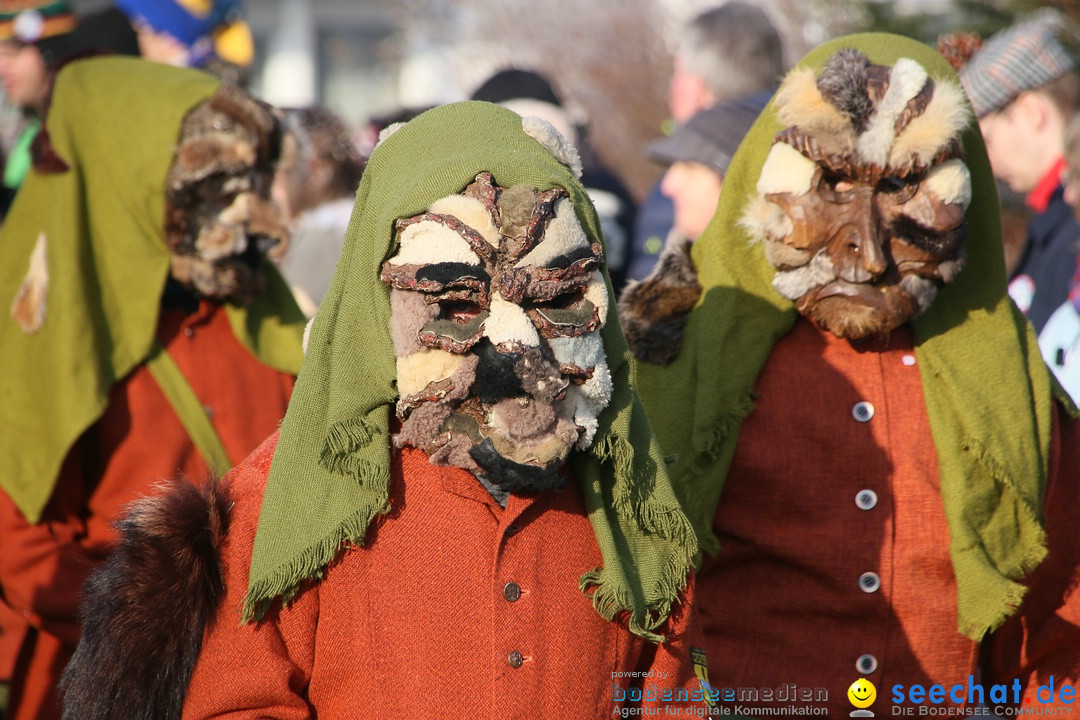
column 834, row 560
column 455, row 607
column 137, row 441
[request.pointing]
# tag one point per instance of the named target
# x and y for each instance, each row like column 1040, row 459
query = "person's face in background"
column 694, row 189
column 23, row 74
column 1023, row 140
column 687, row 93
column 160, row 46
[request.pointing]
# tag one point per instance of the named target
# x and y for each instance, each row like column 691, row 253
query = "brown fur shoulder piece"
column 653, row 311
column 146, row 608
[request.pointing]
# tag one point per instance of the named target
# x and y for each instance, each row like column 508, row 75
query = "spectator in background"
column 1060, row 337
column 207, row 34
column 698, row 154
column 527, row 92
column 723, row 53
column 143, row 334
column 1023, row 86
column 315, row 185
column 35, row 37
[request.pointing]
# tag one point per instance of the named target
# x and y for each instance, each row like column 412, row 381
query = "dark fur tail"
column 145, row 609
column 654, row 311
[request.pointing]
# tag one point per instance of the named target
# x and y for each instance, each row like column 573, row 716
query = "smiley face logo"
column 862, row 693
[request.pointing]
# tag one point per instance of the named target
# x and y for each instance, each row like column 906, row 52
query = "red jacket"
column 834, row 560
column 138, row 441
column 454, row 607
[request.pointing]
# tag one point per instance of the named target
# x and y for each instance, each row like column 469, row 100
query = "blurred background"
column 609, row 59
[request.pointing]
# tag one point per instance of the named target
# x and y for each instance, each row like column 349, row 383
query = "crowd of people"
column 444, row 423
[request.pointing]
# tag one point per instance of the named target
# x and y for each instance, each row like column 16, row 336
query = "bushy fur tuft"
column 843, row 84
column 654, row 311
column 145, row 609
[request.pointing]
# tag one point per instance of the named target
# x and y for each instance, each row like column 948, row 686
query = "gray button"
column 869, row 582
column 866, row 499
column 908, row 360
column 188, row 332
column 866, row 664
column 862, row 411
column 511, row 591
column 515, row 659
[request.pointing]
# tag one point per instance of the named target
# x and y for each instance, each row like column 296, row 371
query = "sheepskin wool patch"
column 497, row 302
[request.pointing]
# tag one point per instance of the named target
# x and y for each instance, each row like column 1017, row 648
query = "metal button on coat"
column 515, row 659
column 869, row 582
column 866, row 499
column 862, row 411
column 908, row 359
column 511, row 591
column 866, row 664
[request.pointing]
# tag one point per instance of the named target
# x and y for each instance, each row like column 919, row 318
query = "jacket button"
column 515, row 659
column 511, row 591
column 866, row 664
column 908, row 359
column 869, row 582
column 866, row 499
column 862, row 411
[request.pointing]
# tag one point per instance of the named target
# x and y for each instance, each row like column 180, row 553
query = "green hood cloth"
column 100, row 225
column 330, row 473
column 988, row 394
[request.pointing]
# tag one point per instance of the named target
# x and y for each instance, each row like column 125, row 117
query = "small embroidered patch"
column 701, row 669
column 28, row 306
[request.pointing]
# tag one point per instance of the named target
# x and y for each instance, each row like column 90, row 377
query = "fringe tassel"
column 310, row 564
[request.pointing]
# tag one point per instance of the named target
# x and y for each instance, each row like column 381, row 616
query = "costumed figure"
column 145, row 333
column 464, row 512
column 880, row 468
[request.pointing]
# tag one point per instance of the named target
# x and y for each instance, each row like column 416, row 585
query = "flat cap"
column 1023, row 57
column 712, row 136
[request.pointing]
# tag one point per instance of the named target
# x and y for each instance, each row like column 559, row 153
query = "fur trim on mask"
column 800, row 103
column 508, row 323
column 950, row 181
column 428, row 242
column 564, row 236
column 654, row 311
column 470, row 211
column 926, row 136
column 786, row 170
column 146, row 608
column 227, row 134
column 765, row 221
column 562, row 149
column 28, row 306
column 905, row 82
column 418, row 370
column 866, row 119
column 795, row 283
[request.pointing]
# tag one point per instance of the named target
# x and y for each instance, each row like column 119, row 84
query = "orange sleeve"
column 254, row 670
column 671, row 677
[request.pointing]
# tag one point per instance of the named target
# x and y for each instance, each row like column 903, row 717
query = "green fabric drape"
column 988, row 393
column 115, row 121
column 329, row 476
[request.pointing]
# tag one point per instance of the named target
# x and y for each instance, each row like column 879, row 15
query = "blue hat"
column 192, row 22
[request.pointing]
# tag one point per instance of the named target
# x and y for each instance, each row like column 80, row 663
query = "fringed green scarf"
column 115, row 122
column 988, row 393
column 329, row 475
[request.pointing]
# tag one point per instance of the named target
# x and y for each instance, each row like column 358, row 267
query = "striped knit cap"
column 1024, row 57
column 29, row 21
